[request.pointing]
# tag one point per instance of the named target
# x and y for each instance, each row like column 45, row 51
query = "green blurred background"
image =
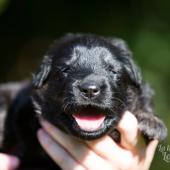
column 28, row 27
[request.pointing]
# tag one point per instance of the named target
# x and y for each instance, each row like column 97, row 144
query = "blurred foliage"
column 3, row 5
column 28, row 27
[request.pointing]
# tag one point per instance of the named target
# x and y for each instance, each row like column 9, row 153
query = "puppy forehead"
column 91, row 55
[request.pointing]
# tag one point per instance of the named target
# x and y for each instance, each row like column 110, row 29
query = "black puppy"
column 83, row 86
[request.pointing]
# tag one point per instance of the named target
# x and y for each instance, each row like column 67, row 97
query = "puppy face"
column 84, row 85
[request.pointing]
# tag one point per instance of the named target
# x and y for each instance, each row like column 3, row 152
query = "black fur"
column 59, row 90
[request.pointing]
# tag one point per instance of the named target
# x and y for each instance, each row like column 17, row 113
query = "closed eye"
column 111, row 69
column 63, row 69
column 66, row 69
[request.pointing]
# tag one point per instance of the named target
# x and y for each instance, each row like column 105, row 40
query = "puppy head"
column 85, row 83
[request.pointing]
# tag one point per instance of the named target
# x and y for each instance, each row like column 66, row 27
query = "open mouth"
column 89, row 119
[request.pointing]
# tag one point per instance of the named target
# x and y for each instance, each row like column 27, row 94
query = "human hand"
column 100, row 154
column 8, row 162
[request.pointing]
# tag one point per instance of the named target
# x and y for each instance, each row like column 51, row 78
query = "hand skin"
column 8, row 162
column 100, row 154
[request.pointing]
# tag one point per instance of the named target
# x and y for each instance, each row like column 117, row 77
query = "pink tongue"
column 89, row 122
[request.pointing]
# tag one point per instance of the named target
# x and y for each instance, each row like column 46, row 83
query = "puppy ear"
column 44, row 70
column 133, row 71
column 126, row 58
column 121, row 45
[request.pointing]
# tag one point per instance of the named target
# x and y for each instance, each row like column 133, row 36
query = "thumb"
column 8, row 162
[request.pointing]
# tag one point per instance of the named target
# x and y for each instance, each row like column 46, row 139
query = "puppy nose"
column 89, row 90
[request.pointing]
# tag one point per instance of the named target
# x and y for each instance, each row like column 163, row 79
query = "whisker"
column 67, row 104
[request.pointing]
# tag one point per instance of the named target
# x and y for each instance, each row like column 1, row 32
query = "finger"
column 8, row 162
column 150, row 151
column 128, row 128
column 57, row 153
column 78, row 150
column 64, row 140
column 71, row 143
column 109, row 150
